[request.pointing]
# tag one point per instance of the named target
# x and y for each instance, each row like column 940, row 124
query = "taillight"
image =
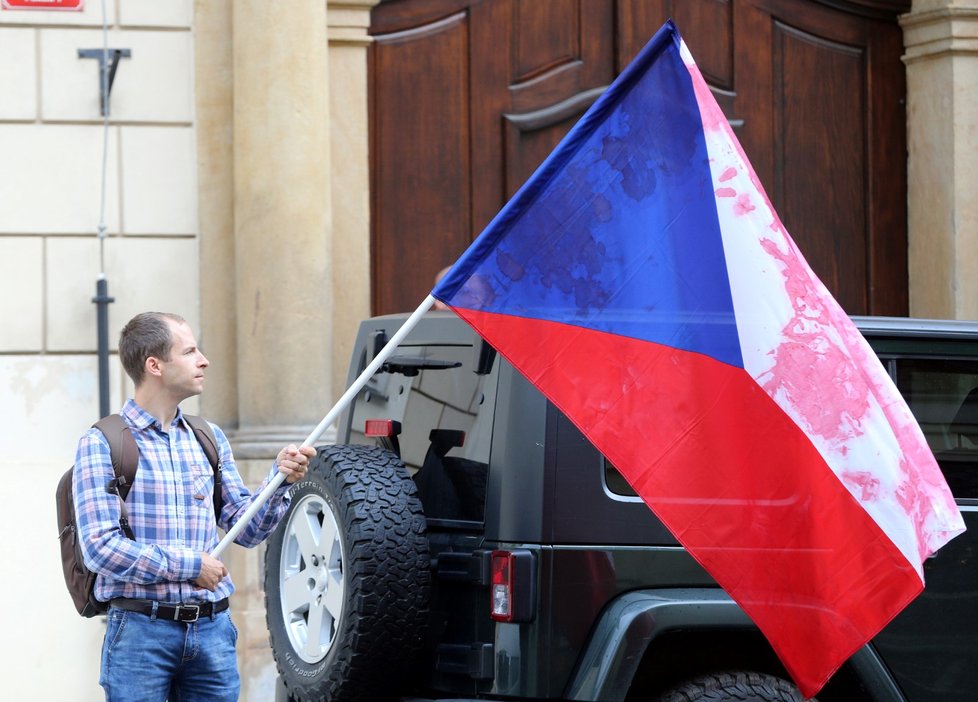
column 512, row 585
column 381, row 427
column 502, row 586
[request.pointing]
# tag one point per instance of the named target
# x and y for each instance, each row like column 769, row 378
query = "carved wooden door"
column 469, row 96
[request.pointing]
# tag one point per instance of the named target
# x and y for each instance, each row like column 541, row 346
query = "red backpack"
column 125, row 460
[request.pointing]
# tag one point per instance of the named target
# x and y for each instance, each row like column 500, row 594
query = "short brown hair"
column 147, row 334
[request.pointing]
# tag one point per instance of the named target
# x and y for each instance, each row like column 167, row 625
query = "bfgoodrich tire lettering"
column 347, row 578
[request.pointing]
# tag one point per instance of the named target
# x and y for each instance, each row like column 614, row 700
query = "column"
column 282, row 266
column 215, row 186
column 282, row 221
column 281, row 98
column 349, row 143
column 941, row 40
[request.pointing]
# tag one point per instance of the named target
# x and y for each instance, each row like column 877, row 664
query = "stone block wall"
column 51, row 152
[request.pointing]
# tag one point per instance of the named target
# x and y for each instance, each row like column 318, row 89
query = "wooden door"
column 469, row 96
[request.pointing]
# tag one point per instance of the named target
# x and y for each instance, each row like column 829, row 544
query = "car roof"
column 870, row 326
column 911, row 326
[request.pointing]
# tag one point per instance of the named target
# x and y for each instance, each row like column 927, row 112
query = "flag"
column 643, row 282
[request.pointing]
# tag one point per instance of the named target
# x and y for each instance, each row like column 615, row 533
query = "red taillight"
column 381, row 427
column 501, row 584
column 512, row 585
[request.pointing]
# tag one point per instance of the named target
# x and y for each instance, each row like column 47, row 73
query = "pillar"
column 941, row 40
column 283, row 174
column 215, row 185
column 349, row 21
column 282, row 221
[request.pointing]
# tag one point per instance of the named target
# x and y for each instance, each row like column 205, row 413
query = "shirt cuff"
column 188, row 565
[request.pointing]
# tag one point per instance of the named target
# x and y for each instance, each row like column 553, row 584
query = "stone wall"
column 219, row 194
column 51, row 152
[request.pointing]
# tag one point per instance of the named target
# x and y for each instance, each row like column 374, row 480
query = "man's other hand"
column 293, row 461
column 211, row 572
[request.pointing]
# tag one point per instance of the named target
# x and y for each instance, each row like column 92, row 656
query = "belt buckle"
column 193, row 613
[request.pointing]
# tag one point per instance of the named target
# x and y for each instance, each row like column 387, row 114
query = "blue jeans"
column 152, row 660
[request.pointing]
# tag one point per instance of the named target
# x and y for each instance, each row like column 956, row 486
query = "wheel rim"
column 311, row 578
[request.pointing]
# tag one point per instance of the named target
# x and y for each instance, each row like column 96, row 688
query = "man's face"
column 183, row 373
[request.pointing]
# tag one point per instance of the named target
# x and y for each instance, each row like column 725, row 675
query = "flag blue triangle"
column 617, row 231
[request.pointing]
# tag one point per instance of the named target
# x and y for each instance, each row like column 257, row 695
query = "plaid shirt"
column 171, row 511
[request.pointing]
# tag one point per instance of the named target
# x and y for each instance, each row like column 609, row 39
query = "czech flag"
column 643, row 282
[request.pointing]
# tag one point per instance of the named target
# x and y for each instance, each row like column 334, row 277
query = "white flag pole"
column 330, row 417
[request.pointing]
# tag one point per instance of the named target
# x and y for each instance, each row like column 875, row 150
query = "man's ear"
column 153, row 366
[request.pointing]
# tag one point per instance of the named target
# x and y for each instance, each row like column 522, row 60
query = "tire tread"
column 735, row 687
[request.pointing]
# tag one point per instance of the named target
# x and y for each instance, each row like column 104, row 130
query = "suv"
column 464, row 541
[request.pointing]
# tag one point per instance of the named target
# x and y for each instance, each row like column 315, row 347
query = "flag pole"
column 330, row 417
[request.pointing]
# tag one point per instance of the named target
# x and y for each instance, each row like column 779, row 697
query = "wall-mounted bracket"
column 108, row 62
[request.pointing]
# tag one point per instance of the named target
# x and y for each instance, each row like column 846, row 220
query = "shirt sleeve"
column 238, row 498
column 106, row 549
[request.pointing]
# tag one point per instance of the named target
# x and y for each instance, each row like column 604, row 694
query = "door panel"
column 469, row 97
column 421, row 198
column 548, row 34
column 530, row 137
column 811, row 149
column 822, row 90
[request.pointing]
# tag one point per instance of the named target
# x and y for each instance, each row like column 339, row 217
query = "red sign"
column 42, row 4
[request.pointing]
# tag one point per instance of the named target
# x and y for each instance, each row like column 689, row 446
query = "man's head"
column 163, row 344
column 439, row 305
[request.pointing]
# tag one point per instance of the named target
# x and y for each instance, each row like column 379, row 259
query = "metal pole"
column 102, row 298
column 102, row 301
column 330, row 417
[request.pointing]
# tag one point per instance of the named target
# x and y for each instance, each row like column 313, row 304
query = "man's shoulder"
column 197, row 421
column 209, row 432
column 93, row 436
column 93, row 453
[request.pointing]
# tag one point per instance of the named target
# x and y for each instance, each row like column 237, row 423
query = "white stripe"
column 803, row 350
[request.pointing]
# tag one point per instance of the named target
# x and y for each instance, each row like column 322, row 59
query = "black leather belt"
column 176, row 612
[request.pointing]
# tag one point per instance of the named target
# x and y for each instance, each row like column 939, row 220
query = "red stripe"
column 736, row 481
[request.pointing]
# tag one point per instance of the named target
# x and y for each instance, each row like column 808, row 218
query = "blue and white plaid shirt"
column 171, row 511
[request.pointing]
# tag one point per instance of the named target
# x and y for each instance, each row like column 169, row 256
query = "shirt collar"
column 138, row 418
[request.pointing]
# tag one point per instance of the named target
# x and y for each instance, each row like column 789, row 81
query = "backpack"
column 125, row 460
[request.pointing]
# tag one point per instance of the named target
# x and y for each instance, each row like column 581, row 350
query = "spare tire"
column 347, row 578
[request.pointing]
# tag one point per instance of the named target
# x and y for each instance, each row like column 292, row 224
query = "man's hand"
column 294, row 461
column 211, row 572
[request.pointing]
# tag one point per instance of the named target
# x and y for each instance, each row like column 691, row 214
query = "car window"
column 615, row 482
column 943, row 396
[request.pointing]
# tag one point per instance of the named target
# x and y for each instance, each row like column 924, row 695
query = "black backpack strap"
column 207, row 440
column 125, row 461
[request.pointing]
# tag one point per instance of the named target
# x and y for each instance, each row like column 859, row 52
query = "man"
column 152, row 649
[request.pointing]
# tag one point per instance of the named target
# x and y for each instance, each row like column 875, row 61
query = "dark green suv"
column 464, row 541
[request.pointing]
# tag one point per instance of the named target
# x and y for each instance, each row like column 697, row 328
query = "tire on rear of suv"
column 347, row 578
